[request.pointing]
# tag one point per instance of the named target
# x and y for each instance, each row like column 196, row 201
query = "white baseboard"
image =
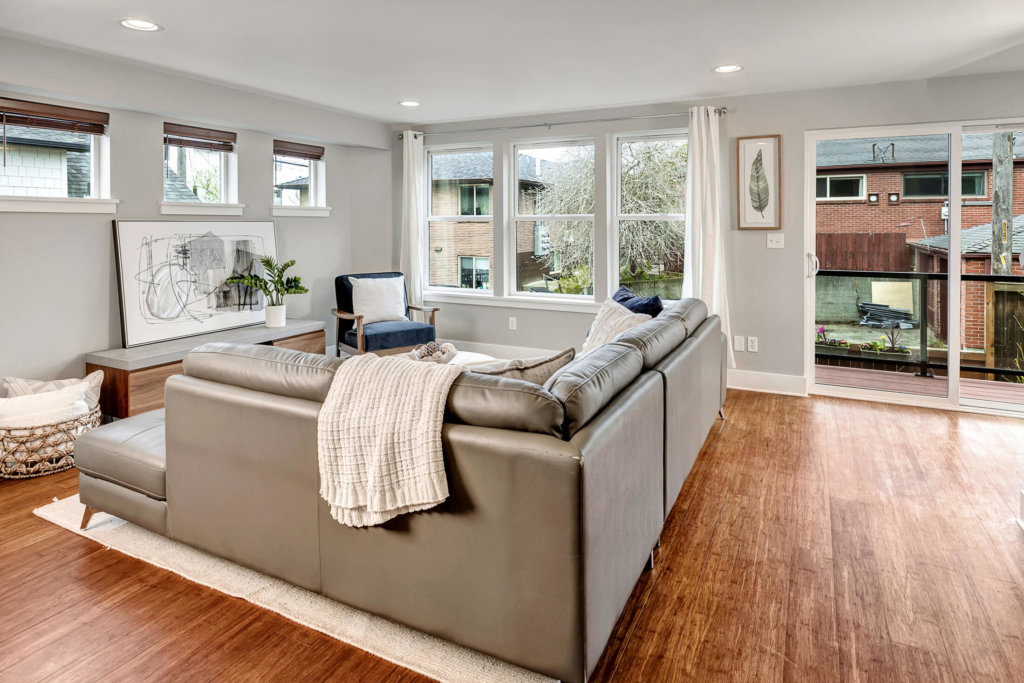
column 767, row 382
column 498, row 350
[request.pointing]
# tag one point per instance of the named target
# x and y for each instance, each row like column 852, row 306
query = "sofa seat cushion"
column 392, row 334
column 270, row 369
column 655, row 338
column 129, row 453
column 592, row 380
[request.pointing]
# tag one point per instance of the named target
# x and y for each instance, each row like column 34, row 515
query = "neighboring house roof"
column 477, row 166
column 297, row 183
column 41, row 137
column 976, row 240
column 907, row 149
column 175, row 189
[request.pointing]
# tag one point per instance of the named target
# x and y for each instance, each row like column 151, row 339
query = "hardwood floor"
column 815, row 540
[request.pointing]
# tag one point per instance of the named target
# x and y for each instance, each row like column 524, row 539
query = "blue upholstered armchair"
column 385, row 337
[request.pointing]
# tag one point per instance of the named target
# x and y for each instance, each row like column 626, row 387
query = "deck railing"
column 923, row 362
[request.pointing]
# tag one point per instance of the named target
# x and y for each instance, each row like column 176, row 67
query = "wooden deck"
column 908, row 383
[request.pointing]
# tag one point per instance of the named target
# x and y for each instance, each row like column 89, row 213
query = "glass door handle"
column 814, row 265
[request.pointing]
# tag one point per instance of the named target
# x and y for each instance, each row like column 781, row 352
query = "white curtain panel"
column 705, row 234
column 412, row 213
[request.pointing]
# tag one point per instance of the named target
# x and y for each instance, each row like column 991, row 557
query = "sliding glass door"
column 916, row 283
column 992, row 222
column 881, row 310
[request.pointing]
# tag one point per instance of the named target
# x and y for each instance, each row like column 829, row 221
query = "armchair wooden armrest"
column 342, row 315
column 432, row 310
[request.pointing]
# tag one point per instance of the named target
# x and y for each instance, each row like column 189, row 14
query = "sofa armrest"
column 623, row 475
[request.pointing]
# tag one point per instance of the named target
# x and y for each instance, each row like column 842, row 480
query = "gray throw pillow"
column 536, row 370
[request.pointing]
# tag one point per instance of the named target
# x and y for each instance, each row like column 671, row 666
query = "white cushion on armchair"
column 379, row 299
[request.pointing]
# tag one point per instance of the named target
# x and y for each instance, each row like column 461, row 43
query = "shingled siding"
column 34, row 172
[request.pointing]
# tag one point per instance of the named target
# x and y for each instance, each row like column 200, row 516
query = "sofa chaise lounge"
column 557, row 493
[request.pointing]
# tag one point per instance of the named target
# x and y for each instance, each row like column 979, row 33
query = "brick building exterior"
column 461, row 250
column 899, row 186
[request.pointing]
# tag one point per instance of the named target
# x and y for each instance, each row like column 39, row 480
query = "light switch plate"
column 739, row 343
column 776, row 240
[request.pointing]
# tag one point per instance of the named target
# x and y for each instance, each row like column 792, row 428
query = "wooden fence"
column 863, row 251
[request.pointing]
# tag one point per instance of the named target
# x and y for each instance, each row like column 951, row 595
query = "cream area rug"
column 404, row 646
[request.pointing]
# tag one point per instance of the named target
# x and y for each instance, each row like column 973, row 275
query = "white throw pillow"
column 49, row 407
column 537, row 370
column 379, row 298
column 25, row 387
column 612, row 320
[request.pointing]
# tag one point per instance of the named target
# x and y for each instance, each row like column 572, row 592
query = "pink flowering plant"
column 821, row 337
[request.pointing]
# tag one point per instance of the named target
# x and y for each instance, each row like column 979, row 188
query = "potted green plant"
column 829, row 346
column 274, row 286
column 889, row 347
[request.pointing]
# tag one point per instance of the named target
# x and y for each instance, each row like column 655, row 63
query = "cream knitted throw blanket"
column 379, row 438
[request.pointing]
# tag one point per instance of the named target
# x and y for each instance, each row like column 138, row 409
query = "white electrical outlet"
column 511, row 322
column 739, row 343
column 752, row 344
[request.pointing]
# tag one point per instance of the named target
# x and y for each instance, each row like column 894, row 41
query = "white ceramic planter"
column 275, row 316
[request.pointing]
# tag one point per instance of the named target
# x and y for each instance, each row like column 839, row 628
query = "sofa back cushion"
column 655, row 339
column 690, row 312
column 504, row 403
column 587, row 384
column 264, row 368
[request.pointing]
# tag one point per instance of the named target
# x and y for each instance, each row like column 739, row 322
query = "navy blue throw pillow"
column 651, row 305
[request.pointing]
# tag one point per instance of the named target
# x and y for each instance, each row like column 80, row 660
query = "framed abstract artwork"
column 759, row 202
column 171, row 276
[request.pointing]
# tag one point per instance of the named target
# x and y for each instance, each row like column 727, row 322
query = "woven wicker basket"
column 35, row 451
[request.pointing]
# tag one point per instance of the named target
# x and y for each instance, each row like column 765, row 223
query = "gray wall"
column 765, row 286
column 57, row 271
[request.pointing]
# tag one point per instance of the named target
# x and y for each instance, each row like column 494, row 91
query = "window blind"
column 297, row 149
column 51, row 116
column 178, row 135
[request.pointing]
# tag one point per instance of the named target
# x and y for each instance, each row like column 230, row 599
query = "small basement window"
column 840, row 187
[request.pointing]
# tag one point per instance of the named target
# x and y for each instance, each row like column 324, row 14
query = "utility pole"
column 1002, row 203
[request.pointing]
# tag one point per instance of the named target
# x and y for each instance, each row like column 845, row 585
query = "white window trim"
column 617, row 215
column 435, row 293
column 57, row 205
column 942, row 197
column 200, row 209
column 317, row 207
column 228, row 195
column 863, row 188
column 514, row 217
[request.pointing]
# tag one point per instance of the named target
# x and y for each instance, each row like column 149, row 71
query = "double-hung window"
column 50, row 151
column 460, row 224
column 199, row 166
column 650, row 205
column 554, row 218
column 298, row 175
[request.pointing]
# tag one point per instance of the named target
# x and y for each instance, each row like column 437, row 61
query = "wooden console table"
column 133, row 379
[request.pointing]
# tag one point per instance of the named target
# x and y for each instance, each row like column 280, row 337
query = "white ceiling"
column 467, row 60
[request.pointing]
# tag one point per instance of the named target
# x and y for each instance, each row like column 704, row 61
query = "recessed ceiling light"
column 409, row 103
column 727, row 68
column 139, row 25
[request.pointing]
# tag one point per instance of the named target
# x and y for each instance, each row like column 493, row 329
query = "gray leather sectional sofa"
column 557, row 493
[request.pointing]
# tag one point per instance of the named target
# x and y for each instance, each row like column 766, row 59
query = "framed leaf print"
column 759, row 183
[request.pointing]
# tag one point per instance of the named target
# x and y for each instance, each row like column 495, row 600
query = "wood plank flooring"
column 815, row 540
